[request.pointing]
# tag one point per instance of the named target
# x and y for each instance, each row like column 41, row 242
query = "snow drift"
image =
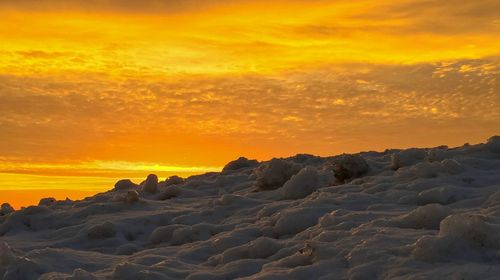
column 400, row 214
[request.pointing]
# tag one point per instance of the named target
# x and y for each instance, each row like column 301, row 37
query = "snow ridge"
column 430, row 213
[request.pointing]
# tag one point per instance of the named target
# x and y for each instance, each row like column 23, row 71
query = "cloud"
column 149, row 6
column 315, row 107
column 246, row 36
column 439, row 17
column 246, row 76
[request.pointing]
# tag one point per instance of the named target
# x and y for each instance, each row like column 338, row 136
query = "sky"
column 96, row 90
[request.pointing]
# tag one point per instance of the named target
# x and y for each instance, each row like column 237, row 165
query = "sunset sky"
column 92, row 91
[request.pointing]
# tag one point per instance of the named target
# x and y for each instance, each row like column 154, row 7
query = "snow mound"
column 347, row 167
column 131, row 197
column 430, row 213
column 150, row 185
column 46, row 201
column 437, row 154
column 173, row 180
column 125, row 184
column 469, row 227
column 169, row 192
column 240, row 163
column 493, row 144
column 274, row 173
column 462, row 235
column 426, row 217
column 296, row 220
column 407, row 157
column 442, row 195
column 301, row 184
column 100, row 231
column 6, row 209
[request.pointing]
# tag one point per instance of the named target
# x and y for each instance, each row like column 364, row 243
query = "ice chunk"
column 46, row 201
column 430, row 248
column 169, row 192
column 493, row 144
column 347, row 167
column 295, row 221
column 451, row 166
column 274, row 173
column 125, row 184
column 301, row 184
column 459, row 234
column 241, row 162
column 235, row 238
column 151, row 184
column 174, row 180
column 263, row 247
column 433, row 169
column 407, row 157
column 164, row 233
column 186, row 234
column 6, row 209
column 427, row 217
column 307, row 159
column 425, row 169
column 469, row 227
column 132, row 196
column 102, row 231
column 437, row 154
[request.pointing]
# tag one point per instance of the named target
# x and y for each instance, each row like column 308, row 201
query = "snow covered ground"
column 400, row 214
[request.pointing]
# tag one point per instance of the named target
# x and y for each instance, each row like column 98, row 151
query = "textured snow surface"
column 400, row 214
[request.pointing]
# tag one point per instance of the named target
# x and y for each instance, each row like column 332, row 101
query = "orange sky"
column 111, row 89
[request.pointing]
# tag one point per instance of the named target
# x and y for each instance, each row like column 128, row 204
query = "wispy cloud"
column 67, row 119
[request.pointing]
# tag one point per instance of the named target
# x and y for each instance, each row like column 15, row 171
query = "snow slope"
column 400, row 214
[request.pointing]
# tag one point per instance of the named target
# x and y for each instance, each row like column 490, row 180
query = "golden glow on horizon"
column 105, row 166
column 25, row 197
column 116, row 89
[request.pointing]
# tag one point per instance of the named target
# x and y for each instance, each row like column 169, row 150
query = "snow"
column 349, row 166
column 102, row 231
column 131, row 196
column 420, row 213
column 6, row 209
column 274, row 173
column 407, row 157
column 124, row 185
column 150, row 185
column 428, row 216
column 174, row 180
column 46, row 201
column 301, row 184
column 238, row 164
